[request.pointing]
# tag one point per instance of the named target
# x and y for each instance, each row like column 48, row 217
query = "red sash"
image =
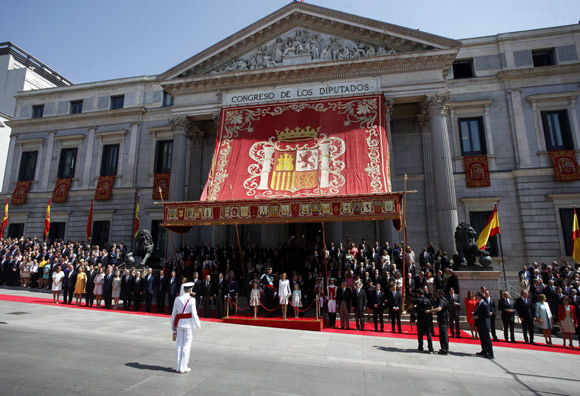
column 182, row 315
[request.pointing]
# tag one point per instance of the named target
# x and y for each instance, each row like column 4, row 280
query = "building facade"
column 19, row 71
column 508, row 99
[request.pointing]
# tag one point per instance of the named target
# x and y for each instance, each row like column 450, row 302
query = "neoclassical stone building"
column 509, row 100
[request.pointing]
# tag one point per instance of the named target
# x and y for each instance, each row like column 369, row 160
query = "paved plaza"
column 53, row 350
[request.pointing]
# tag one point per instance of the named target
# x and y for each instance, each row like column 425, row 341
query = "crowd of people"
column 361, row 279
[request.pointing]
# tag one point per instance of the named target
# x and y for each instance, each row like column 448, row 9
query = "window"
column 66, row 165
column 56, row 231
column 110, row 160
column 76, row 106
column 567, row 219
column 163, row 156
column 543, row 57
column 100, row 234
column 37, row 111
column 167, row 99
column 15, row 230
column 557, row 130
column 117, row 102
column 159, row 236
column 478, row 221
column 463, row 69
column 27, row 165
column 472, row 136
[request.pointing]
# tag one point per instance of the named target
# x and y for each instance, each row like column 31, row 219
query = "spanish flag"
column 90, row 223
column 136, row 230
column 491, row 228
column 575, row 237
column 5, row 219
column 47, row 221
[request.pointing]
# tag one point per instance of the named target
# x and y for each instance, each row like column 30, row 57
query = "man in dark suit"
column 207, row 295
column 377, row 303
column 91, row 273
column 137, row 290
column 424, row 258
column 525, row 308
column 359, row 300
column 454, row 311
column 173, row 286
column 108, row 288
column 492, row 308
column 442, row 311
column 343, row 300
column 482, row 321
column 395, row 301
column 423, row 309
column 161, row 291
column 507, row 307
column 452, row 280
column 149, row 289
column 197, row 290
column 70, row 281
column 536, row 290
column 221, row 293
column 126, row 289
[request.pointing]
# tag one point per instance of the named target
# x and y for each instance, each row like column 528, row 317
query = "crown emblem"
column 296, row 134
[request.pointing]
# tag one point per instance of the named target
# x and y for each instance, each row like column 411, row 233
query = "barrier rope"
column 236, row 306
column 269, row 310
column 303, row 310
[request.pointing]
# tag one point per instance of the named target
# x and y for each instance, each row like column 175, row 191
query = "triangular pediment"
column 302, row 34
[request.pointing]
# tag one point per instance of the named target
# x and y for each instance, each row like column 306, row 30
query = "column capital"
column 389, row 103
column 180, row 125
column 437, row 103
column 196, row 137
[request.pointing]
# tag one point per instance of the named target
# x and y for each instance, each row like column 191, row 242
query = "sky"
column 97, row 40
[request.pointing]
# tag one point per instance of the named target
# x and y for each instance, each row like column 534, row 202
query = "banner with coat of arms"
column 477, row 171
column 301, row 149
column 104, row 188
column 565, row 165
column 161, row 181
column 20, row 191
column 60, row 192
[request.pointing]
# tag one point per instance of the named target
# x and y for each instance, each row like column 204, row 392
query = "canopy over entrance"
column 309, row 161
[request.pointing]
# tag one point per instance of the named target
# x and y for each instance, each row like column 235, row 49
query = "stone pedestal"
column 473, row 280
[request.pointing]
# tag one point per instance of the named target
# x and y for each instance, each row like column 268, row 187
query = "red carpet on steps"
column 408, row 331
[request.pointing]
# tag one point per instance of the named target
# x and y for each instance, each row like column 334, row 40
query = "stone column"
column 387, row 232
column 9, row 165
column 47, row 161
column 445, row 199
column 86, row 183
column 195, row 171
column 180, row 127
column 132, row 160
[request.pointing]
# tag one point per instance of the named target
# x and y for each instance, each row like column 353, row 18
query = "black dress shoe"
column 482, row 353
column 443, row 353
column 514, row 341
column 420, row 349
column 495, row 339
column 489, row 356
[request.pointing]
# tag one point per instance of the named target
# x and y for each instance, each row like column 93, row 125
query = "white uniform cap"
column 187, row 285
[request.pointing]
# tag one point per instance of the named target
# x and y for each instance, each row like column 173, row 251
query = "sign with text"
column 300, row 92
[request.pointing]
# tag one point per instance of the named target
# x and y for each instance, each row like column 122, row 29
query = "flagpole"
column 404, row 275
column 502, row 261
column 171, row 238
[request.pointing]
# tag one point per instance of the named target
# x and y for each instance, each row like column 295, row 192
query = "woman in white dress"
column 117, row 288
column 98, row 290
column 296, row 300
column 543, row 316
column 255, row 298
column 57, row 284
column 284, row 293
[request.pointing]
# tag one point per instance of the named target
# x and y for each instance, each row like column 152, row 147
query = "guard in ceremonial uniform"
column 183, row 320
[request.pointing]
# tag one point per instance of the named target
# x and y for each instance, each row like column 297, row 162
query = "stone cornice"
column 319, row 71
column 471, row 103
column 95, row 116
column 553, row 96
column 319, row 19
column 534, row 72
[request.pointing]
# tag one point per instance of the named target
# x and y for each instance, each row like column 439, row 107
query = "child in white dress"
column 255, row 298
column 296, row 300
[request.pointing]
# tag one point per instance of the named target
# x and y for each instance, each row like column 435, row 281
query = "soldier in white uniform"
column 183, row 320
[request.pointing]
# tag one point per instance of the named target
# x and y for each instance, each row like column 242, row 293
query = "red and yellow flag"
column 46, row 221
column 575, row 238
column 90, row 223
column 5, row 219
column 491, row 228
column 136, row 230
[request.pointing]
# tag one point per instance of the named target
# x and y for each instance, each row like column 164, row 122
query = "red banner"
column 60, row 192
column 161, row 181
column 477, row 171
column 301, row 149
column 104, row 188
column 565, row 165
column 19, row 194
column 285, row 210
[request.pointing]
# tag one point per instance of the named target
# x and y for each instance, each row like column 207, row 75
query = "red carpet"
column 308, row 324
column 408, row 331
